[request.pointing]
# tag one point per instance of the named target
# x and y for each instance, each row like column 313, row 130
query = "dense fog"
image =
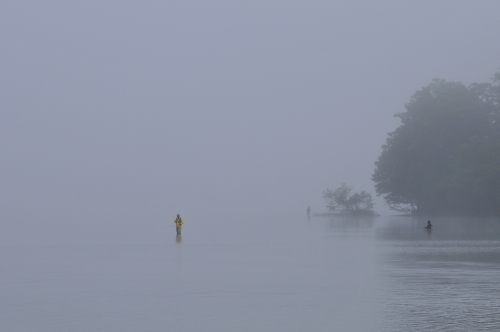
column 116, row 116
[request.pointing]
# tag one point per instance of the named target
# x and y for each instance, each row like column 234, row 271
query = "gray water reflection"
column 446, row 279
column 338, row 274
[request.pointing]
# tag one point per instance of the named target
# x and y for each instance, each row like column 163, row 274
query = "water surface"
column 386, row 274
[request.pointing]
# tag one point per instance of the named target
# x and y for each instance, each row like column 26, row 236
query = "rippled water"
column 279, row 275
column 446, row 280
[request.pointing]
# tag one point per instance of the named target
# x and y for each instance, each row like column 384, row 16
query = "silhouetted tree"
column 445, row 155
column 341, row 199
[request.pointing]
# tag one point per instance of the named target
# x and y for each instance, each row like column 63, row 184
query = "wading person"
column 178, row 224
column 429, row 225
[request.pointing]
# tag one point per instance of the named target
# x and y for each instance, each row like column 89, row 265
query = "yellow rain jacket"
column 178, row 222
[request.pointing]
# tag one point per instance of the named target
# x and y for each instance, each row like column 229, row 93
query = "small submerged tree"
column 341, row 199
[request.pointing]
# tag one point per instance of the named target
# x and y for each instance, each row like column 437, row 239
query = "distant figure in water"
column 178, row 224
column 308, row 211
column 429, row 225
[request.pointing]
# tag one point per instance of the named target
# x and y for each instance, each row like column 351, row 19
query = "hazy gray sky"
column 117, row 115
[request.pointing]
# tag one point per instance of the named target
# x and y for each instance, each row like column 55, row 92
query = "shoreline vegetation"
column 444, row 158
column 442, row 161
column 342, row 202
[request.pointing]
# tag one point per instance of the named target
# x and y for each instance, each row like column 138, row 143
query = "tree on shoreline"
column 444, row 158
column 341, row 199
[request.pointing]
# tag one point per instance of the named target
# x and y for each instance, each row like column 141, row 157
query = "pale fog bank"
column 115, row 116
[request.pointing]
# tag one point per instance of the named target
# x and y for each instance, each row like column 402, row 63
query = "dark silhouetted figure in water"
column 178, row 224
column 308, row 212
column 429, row 225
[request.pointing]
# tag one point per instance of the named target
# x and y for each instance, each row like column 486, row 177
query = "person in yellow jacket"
column 178, row 224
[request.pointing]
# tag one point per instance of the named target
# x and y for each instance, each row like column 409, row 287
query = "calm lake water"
column 387, row 274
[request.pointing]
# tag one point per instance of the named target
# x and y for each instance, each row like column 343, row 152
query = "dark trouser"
column 178, row 229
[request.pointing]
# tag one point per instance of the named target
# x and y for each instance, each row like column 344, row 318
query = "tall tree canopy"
column 445, row 155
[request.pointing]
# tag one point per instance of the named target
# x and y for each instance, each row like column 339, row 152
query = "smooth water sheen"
column 292, row 275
